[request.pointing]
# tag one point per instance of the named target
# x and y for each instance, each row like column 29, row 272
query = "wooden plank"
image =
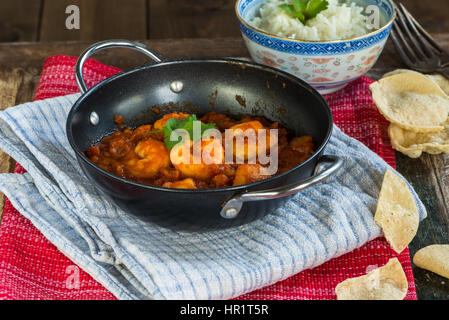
column 33, row 54
column 10, row 83
column 103, row 19
column 21, row 16
column 432, row 15
column 192, row 19
column 26, row 55
column 16, row 86
column 429, row 177
column 99, row 20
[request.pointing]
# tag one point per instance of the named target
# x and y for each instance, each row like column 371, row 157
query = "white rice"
column 338, row 22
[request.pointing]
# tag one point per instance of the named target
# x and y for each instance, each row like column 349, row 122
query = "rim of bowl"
column 309, row 41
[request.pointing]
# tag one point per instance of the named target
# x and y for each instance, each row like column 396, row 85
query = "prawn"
column 151, row 157
column 182, row 184
column 212, row 156
column 249, row 173
column 250, row 148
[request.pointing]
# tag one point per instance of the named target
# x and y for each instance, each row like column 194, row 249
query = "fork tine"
column 402, row 22
column 424, row 45
column 402, row 46
column 423, row 31
column 399, row 48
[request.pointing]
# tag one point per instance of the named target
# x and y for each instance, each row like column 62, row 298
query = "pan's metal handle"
column 233, row 206
column 106, row 45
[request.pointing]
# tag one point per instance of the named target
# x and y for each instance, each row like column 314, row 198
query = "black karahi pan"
column 230, row 86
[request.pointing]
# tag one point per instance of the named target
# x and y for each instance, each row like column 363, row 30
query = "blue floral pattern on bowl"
column 327, row 66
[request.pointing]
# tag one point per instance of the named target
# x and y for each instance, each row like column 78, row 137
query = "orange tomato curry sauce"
column 142, row 156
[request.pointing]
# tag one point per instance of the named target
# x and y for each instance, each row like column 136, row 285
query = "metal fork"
column 417, row 49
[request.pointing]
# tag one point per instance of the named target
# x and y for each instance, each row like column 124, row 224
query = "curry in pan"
column 146, row 156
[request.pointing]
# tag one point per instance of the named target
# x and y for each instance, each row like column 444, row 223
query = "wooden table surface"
column 44, row 20
column 21, row 63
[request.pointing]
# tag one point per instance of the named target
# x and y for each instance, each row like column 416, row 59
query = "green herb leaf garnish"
column 314, row 7
column 304, row 9
column 290, row 9
column 185, row 124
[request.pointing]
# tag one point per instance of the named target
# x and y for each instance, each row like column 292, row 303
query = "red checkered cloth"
column 32, row 268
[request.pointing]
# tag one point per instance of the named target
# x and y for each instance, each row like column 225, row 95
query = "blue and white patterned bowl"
column 326, row 65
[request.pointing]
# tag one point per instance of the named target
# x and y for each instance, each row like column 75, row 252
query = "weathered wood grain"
column 100, row 19
column 21, row 16
column 10, row 83
column 26, row 55
column 192, row 19
column 16, row 86
column 432, row 15
column 154, row 19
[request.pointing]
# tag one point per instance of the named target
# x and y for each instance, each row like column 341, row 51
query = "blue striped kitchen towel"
column 138, row 260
